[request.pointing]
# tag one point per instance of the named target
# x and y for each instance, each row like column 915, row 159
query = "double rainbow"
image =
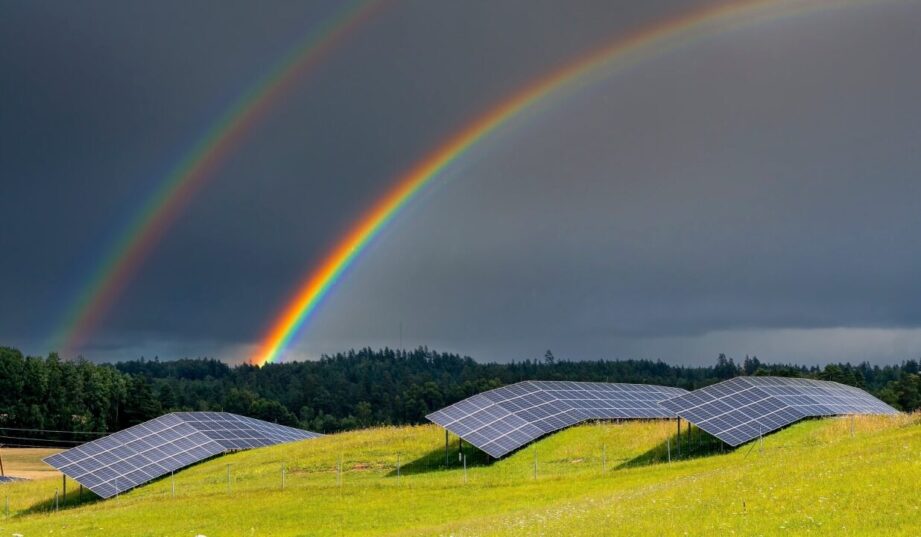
column 177, row 188
column 620, row 54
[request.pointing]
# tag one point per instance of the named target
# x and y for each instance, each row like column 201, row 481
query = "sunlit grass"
column 595, row 479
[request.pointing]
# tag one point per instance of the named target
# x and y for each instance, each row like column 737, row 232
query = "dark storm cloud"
column 731, row 191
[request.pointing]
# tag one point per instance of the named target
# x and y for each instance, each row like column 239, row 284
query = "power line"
column 74, row 442
column 36, row 446
column 50, row 431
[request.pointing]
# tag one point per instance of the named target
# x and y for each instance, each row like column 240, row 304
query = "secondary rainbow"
column 175, row 190
column 620, row 54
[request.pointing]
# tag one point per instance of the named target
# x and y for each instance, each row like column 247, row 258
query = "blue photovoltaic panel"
column 9, row 479
column 134, row 456
column 744, row 408
column 502, row 420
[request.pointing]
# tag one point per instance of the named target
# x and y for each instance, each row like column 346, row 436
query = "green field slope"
column 830, row 477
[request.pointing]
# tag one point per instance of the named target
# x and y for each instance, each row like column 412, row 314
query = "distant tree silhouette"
column 356, row 388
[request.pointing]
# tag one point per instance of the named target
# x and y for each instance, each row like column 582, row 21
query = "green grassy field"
column 596, row 479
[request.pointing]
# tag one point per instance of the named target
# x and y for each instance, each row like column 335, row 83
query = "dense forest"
column 47, row 399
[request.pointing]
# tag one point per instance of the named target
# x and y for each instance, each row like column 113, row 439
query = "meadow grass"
column 596, row 479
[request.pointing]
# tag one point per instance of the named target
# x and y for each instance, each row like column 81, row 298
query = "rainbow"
column 176, row 189
column 620, row 54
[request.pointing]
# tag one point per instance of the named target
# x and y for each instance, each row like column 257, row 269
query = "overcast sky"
column 757, row 191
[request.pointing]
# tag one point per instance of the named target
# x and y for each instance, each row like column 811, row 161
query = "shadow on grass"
column 692, row 444
column 74, row 498
column 434, row 460
column 78, row 496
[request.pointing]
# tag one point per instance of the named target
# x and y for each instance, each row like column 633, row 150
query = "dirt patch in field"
column 27, row 462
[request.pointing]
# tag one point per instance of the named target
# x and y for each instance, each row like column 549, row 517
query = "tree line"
column 347, row 390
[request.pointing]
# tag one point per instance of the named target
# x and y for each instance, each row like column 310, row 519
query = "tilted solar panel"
column 744, row 408
column 9, row 479
column 121, row 461
column 504, row 419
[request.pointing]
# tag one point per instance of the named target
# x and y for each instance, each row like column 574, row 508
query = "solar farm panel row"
column 744, row 408
column 133, row 456
column 504, row 419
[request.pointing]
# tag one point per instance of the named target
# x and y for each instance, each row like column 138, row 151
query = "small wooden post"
column 80, row 493
column 2, row 473
column 55, row 501
column 446, row 448
column 64, row 487
column 852, row 426
column 668, row 446
column 465, row 469
column 172, row 483
column 282, row 476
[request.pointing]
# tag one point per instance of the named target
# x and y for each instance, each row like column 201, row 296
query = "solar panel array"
column 502, row 420
column 9, row 479
column 131, row 457
column 744, row 408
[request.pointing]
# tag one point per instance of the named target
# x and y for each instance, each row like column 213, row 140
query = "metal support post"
column 678, row 438
column 535, row 462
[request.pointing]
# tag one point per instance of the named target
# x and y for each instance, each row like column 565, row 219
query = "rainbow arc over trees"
column 136, row 240
column 622, row 53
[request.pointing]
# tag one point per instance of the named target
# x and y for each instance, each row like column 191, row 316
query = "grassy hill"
column 815, row 477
